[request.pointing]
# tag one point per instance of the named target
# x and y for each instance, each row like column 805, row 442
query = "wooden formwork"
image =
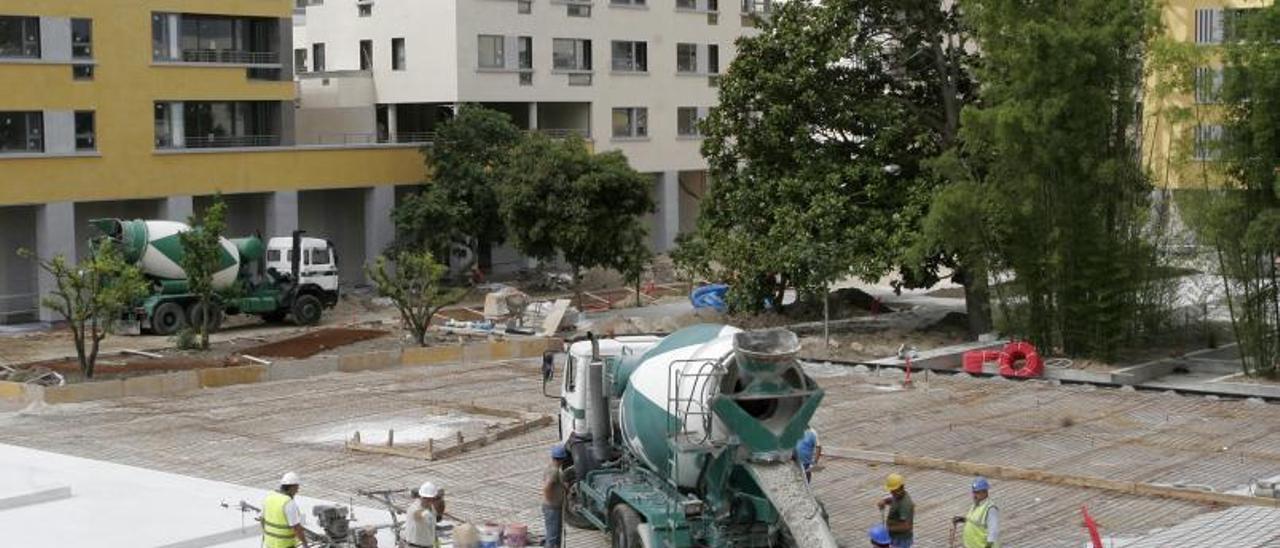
column 518, row 423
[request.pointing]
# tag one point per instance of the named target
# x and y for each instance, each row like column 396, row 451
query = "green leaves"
column 414, row 285
column 203, row 257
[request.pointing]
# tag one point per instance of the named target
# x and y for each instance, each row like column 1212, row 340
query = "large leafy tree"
column 560, row 200
column 817, row 148
column 1053, row 189
column 459, row 203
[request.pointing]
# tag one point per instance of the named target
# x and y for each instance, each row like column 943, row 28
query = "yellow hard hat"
column 894, row 482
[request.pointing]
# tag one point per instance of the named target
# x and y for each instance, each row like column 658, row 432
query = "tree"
column 560, row 200
column 458, row 204
column 816, row 149
column 414, row 285
column 203, row 256
column 91, row 296
column 1056, row 194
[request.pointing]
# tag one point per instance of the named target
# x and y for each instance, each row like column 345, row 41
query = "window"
column 713, row 5
column 366, row 55
column 524, row 52
column 317, row 57
column 630, row 56
column 164, row 129
column 82, row 72
column 571, row 54
column 320, row 256
column 86, row 137
column 300, row 60
column 1209, row 26
column 713, row 58
column 579, row 10
column 1208, row 85
column 1208, row 141
column 82, row 38
column 687, row 122
column 21, row 131
column 160, row 37
column 364, row 9
column 273, row 255
column 635, row 3
column 397, row 54
column 686, row 58
column 687, row 4
column 490, row 51
column 631, row 122
column 524, row 6
column 20, row 37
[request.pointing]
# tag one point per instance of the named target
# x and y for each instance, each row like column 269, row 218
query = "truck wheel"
column 306, row 310
column 167, row 319
column 624, row 527
column 195, row 317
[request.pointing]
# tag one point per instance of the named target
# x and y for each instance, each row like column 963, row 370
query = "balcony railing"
column 230, row 56
column 561, row 133
column 221, row 141
column 421, row 137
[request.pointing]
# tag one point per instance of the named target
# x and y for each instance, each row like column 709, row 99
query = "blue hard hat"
column 558, row 452
column 879, row 534
column 980, row 484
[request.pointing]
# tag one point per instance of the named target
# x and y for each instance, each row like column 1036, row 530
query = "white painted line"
column 35, row 497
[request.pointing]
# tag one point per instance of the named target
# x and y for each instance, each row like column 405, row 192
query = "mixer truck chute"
column 688, row 440
column 292, row 277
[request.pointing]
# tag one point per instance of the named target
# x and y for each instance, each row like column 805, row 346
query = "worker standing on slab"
column 808, row 451
column 553, row 493
column 982, row 524
column 880, row 536
column 281, row 519
column 900, row 520
column 421, row 517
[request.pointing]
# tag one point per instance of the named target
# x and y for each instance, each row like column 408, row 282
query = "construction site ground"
column 249, row 434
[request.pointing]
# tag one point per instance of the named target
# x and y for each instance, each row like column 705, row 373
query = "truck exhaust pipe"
column 597, row 404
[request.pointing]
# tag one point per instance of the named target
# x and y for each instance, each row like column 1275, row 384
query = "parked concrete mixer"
column 298, row 278
column 688, row 440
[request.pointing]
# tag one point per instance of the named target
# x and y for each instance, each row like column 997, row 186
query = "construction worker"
column 808, row 452
column 553, row 493
column 879, row 536
column 421, row 517
column 982, row 524
column 281, row 519
column 900, row 519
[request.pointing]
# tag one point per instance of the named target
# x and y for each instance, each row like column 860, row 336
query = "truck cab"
column 318, row 264
column 573, row 370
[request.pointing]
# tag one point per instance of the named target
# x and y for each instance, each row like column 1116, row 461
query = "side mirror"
column 549, row 361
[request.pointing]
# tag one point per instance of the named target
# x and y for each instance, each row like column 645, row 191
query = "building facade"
column 630, row 75
column 145, row 109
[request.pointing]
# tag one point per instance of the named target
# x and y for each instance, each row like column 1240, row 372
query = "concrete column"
column 59, row 131
column 55, row 235
column 55, row 38
column 533, row 116
column 379, row 230
column 177, row 208
column 282, row 213
column 391, row 123
column 668, row 209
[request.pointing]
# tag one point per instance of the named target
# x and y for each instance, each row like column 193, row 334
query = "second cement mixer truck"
column 296, row 276
column 688, row 440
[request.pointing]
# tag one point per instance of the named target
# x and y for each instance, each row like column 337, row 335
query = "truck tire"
column 195, row 316
column 624, row 527
column 167, row 319
column 306, row 310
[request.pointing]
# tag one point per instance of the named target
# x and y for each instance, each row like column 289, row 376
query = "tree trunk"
column 977, row 301
column 86, row 365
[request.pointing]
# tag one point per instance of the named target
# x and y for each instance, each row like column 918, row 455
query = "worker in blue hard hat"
column 553, row 494
column 982, row 523
column 879, row 535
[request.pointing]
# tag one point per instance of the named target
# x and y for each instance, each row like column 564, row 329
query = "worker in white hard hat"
column 422, row 515
column 281, row 519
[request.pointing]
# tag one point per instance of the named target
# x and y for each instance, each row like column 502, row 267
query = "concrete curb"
column 165, row 384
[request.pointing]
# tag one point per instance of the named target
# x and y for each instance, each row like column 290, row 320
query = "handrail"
column 230, row 56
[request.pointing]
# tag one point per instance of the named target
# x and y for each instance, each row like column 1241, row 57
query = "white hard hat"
column 290, row 478
column 428, row 490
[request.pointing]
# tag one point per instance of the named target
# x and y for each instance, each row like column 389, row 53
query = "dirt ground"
column 315, row 342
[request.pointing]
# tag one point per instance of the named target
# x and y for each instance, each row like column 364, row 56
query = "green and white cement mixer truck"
column 296, row 276
column 688, row 440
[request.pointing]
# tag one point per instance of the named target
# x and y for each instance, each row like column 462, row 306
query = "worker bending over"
column 281, row 519
column 553, row 493
column 422, row 515
column 900, row 519
column 808, row 451
column 982, row 524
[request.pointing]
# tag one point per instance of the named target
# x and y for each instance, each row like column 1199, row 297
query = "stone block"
column 82, row 392
column 301, row 369
column 369, row 360
column 162, row 384
column 431, row 355
column 477, row 352
column 227, row 376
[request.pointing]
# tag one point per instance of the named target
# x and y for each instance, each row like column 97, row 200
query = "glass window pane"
column 21, row 132
column 623, row 56
column 397, row 54
column 82, row 38
column 20, row 37
column 686, row 57
column 563, row 53
column 366, row 54
column 713, row 58
column 621, row 122
column 526, row 52
column 159, row 36
column 491, row 51
column 641, row 122
column 85, row 132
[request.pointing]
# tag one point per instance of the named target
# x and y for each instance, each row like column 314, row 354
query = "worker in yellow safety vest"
column 982, row 524
column 281, row 519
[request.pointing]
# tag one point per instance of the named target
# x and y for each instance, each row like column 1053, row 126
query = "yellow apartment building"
column 1180, row 120
column 145, row 108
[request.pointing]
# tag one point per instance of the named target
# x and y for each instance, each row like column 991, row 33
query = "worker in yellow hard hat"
column 900, row 518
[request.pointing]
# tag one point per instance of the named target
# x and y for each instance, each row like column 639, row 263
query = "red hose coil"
column 1013, row 352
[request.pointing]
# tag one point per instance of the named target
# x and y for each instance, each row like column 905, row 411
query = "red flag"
column 1092, row 527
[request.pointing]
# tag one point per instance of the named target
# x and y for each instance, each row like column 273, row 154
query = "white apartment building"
column 630, row 75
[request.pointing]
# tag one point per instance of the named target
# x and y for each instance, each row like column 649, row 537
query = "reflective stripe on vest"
column 276, row 532
column 975, row 526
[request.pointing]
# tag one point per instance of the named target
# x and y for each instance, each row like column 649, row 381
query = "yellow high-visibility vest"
column 276, row 532
column 975, row 526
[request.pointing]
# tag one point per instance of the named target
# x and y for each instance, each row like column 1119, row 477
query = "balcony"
column 233, row 57
column 218, row 40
